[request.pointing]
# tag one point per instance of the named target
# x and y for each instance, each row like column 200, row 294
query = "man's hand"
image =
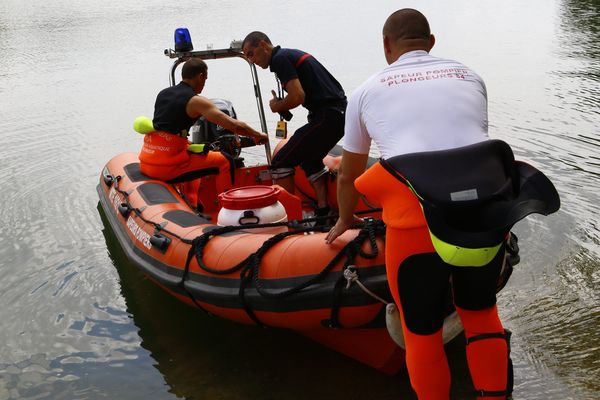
column 352, row 166
column 274, row 102
column 293, row 98
column 341, row 227
column 261, row 139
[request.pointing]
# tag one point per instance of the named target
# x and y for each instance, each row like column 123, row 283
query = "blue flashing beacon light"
column 183, row 41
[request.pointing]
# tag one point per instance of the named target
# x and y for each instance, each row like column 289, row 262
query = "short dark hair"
column 254, row 38
column 407, row 24
column 192, row 68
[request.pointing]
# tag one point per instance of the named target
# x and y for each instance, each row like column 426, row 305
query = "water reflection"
column 579, row 47
column 553, row 308
column 74, row 74
column 563, row 321
column 576, row 87
column 580, row 26
column 81, row 376
column 569, row 119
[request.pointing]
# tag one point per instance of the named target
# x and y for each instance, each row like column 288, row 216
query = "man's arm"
column 294, row 97
column 199, row 106
column 353, row 165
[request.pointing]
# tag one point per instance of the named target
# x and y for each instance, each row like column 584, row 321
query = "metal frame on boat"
column 234, row 51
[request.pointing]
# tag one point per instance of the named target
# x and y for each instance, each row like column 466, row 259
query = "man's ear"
column 431, row 42
column 386, row 45
column 387, row 49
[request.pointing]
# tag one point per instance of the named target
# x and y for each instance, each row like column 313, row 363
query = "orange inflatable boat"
column 250, row 254
column 281, row 274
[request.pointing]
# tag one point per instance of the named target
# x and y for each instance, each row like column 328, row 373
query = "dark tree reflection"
column 580, row 28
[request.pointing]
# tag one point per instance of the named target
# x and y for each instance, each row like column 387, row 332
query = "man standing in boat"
column 422, row 103
column 309, row 84
column 165, row 154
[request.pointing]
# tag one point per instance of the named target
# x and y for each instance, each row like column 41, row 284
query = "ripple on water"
column 62, row 320
column 561, row 333
column 77, row 70
column 80, row 375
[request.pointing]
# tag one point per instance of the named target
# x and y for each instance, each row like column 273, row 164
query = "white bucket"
column 251, row 205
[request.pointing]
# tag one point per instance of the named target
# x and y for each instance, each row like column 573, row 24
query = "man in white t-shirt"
column 424, row 103
column 418, row 103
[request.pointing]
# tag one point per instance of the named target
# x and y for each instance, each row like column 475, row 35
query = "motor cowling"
column 204, row 131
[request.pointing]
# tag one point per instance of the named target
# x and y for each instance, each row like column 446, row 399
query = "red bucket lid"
column 248, row 197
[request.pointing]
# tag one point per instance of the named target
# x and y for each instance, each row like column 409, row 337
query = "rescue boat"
column 255, row 254
column 273, row 274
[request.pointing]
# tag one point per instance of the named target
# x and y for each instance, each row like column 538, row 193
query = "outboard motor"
column 204, row 131
column 219, row 138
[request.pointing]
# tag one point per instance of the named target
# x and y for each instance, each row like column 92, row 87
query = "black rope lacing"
column 249, row 267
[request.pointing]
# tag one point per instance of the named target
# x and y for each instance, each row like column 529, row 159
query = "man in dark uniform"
column 164, row 154
column 309, row 84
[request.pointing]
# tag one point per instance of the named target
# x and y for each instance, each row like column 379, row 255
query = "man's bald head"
column 405, row 30
column 407, row 24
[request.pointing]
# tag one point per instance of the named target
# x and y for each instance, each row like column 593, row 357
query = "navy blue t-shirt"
column 321, row 89
column 170, row 113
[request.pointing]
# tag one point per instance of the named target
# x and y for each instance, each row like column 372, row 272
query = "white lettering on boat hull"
column 116, row 199
column 139, row 233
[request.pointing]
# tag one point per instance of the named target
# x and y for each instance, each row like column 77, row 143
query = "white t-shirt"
column 418, row 103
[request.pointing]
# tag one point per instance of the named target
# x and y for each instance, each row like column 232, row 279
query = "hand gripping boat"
column 249, row 256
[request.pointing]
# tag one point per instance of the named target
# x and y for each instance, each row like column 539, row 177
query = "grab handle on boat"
column 159, row 241
column 108, row 180
column 124, row 209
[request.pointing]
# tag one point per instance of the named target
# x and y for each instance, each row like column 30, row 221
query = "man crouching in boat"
column 421, row 103
column 164, row 154
column 308, row 83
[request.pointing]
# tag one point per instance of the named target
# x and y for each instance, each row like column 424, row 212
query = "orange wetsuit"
column 420, row 282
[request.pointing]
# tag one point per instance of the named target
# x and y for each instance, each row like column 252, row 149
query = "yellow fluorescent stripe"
column 463, row 256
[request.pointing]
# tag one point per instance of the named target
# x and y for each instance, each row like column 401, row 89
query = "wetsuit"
column 421, row 103
column 326, row 103
column 164, row 154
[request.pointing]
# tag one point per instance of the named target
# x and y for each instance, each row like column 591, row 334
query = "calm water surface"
column 79, row 322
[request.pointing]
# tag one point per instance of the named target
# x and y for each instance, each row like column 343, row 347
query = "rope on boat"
column 351, row 277
column 249, row 267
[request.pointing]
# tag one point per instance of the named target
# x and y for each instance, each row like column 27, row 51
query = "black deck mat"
column 155, row 193
column 185, row 219
column 134, row 174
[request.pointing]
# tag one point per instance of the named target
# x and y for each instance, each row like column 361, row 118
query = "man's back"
column 320, row 87
column 170, row 109
column 418, row 103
